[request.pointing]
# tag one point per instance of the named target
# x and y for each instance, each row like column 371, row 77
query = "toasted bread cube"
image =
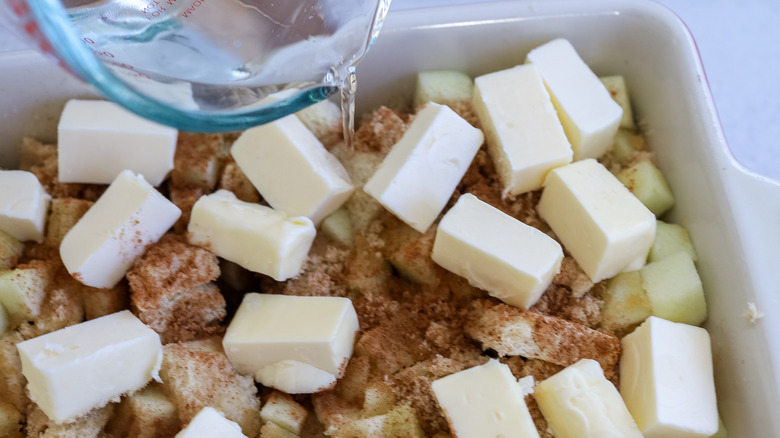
column 410, row 254
column 89, row 425
column 378, row 400
column 281, row 409
column 625, row 301
column 273, row 430
column 197, row 374
column 10, row 251
column 61, row 308
column 196, row 162
column 10, row 421
column 64, row 214
column 22, row 291
column 147, row 413
column 3, row 319
column 12, row 381
column 234, row 179
column 102, row 302
column 184, row 197
column 389, row 351
column 514, row 332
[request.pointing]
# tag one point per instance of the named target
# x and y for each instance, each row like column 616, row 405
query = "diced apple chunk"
column 675, row 290
column 442, row 86
column 617, row 88
column 22, row 291
column 338, row 226
column 626, row 145
column 669, row 240
column 625, row 302
column 648, row 184
column 401, row 422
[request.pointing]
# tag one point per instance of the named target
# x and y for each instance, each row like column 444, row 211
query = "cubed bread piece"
column 86, row 426
column 61, row 308
column 64, row 214
column 198, row 374
column 378, row 400
column 234, row 180
column 41, row 160
column 169, row 265
column 196, row 162
column 273, row 430
column 285, row 412
column 34, row 153
column 12, row 381
column 148, row 413
column 10, row 251
column 184, row 197
column 410, row 254
column 172, row 293
column 23, row 289
column 10, row 421
column 391, row 346
column 102, row 302
column 401, row 422
column 511, row 331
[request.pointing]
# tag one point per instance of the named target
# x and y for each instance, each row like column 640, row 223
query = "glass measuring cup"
column 206, row 65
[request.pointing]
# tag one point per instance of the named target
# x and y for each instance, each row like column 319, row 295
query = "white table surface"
column 738, row 42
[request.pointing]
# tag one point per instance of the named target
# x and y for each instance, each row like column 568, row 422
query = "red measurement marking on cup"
column 154, row 9
column 187, row 13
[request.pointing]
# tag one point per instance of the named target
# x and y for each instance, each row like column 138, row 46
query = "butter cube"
column 254, row 236
column 579, row 402
column 211, row 423
column 524, row 136
column 512, row 261
column 667, row 382
column 23, row 205
column 97, row 140
column 295, row 377
column 587, row 111
column 291, row 169
column 418, row 176
column 81, row 367
column 604, row 227
column 281, row 338
column 105, row 242
column 484, row 401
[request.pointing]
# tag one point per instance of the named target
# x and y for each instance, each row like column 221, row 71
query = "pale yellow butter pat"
column 295, row 377
column 484, row 401
column 81, row 367
column 291, row 169
column 418, row 176
column 292, row 340
column 524, row 136
column 579, row 402
column 98, row 139
column 604, row 227
column 667, row 382
column 512, row 261
column 587, row 111
column 105, row 242
column 254, row 236
column 23, row 205
column 210, row 423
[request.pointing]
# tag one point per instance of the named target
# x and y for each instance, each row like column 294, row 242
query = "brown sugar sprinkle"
column 418, row 322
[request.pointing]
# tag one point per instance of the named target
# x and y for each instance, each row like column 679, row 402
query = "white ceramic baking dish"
column 733, row 214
